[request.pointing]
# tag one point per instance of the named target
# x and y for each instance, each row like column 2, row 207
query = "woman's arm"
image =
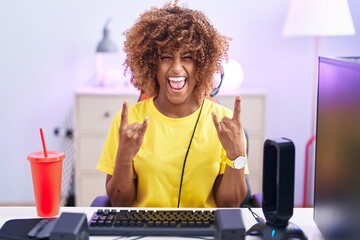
column 230, row 188
column 121, row 186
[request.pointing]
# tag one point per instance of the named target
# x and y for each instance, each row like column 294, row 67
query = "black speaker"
column 70, row 226
column 278, row 181
column 278, row 192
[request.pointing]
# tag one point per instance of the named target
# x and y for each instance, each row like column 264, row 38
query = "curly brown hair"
column 172, row 27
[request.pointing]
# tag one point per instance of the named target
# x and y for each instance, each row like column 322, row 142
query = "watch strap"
column 232, row 163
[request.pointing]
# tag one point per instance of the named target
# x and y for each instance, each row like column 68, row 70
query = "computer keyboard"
column 152, row 222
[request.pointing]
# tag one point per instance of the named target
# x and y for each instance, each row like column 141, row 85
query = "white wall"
column 47, row 51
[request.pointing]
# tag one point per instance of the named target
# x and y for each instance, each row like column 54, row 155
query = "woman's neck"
column 174, row 110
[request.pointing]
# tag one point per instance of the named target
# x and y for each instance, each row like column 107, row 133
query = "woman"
column 177, row 148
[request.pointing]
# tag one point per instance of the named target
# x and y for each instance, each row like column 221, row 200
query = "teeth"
column 177, row 79
column 177, row 83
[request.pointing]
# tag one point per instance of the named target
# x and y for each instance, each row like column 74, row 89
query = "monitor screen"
column 337, row 160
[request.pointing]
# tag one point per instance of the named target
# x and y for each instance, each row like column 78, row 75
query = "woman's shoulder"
column 215, row 106
column 140, row 108
column 136, row 110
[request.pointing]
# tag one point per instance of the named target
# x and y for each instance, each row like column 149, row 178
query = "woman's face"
column 176, row 75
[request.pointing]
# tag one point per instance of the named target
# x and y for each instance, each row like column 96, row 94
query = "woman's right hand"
column 131, row 135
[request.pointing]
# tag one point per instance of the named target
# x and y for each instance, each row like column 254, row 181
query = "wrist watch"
column 238, row 163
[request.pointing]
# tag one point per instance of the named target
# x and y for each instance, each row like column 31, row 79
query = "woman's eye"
column 165, row 57
column 188, row 57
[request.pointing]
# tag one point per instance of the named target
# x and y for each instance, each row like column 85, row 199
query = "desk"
column 303, row 217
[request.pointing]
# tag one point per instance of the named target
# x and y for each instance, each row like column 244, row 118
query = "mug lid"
column 52, row 156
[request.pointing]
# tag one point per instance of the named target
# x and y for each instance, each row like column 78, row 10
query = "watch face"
column 239, row 162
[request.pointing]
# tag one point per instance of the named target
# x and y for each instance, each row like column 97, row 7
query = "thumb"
column 215, row 120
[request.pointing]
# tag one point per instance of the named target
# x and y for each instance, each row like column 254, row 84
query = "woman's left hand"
column 231, row 133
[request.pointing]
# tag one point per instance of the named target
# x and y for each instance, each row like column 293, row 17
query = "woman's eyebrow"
column 181, row 53
column 187, row 52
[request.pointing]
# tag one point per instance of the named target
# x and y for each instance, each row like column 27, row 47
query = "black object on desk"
column 278, row 192
column 18, row 229
column 229, row 225
column 265, row 231
column 42, row 229
column 69, row 226
column 337, row 165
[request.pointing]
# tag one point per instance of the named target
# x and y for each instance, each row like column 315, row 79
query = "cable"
column 255, row 215
column 187, row 151
column 198, row 237
column 129, row 237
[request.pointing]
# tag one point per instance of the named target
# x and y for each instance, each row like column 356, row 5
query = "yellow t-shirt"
column 158, row 164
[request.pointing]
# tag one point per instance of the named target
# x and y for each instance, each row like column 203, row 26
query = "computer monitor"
column 337, row 166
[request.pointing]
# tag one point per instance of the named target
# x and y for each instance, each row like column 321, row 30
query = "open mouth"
column 177, row 83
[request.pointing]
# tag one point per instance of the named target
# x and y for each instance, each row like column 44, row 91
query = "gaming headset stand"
column 265, row 231
column 278, row 192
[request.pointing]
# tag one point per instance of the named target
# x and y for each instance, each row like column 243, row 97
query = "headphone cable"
column 187, row 152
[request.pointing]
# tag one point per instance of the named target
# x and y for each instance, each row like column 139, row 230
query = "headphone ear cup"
column 214, row 92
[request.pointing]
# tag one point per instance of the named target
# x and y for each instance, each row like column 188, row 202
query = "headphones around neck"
column 216, row 90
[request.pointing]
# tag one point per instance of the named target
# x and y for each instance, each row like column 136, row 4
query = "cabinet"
column 95, row 109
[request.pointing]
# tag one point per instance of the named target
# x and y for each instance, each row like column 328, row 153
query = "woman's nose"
column 177, row 65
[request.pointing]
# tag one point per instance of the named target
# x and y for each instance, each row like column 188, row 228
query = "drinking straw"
column 43, row 142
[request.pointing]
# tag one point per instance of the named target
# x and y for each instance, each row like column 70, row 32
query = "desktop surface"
column 302, row 217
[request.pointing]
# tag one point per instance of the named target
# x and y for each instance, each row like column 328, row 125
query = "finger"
column 146, row 120
column 226, row 121
column 144, row 127
column 215, row 120
column 124, row 116
column 133, row 130
column 136, row 129
column 237, row 108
